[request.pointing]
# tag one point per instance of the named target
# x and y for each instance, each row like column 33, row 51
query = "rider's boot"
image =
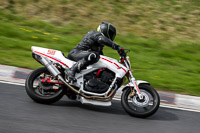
column 76, row 68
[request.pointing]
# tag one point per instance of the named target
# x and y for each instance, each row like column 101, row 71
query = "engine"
column 98, row 81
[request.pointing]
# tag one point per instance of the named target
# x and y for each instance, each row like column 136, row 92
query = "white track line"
column 169, row 106
column 179, row 108
column 162, row 105
column 13, row 83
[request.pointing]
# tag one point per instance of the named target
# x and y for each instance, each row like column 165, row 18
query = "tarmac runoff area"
column 17, row 76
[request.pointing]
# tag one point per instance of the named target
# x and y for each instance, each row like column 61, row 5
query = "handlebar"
column 126, row 51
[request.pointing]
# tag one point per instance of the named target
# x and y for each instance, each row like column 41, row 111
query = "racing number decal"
column 51, row 52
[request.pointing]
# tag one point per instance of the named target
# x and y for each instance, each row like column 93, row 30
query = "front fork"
column 133, row 81
column 136, row 89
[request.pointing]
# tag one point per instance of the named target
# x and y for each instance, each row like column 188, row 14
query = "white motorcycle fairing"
column 130, row 84
column 53, row 55
column 104, row 62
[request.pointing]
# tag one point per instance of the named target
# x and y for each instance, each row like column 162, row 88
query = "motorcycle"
column 96, row 85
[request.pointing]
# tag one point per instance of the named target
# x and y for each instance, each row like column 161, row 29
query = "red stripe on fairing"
column 51, row 58
column 106, row 60
column 123, row 69
column 117, row 65
column 113, row 63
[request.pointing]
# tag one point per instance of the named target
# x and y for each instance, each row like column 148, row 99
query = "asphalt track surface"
column 19, row 114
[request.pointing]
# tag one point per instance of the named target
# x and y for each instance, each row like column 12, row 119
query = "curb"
column 18, row 75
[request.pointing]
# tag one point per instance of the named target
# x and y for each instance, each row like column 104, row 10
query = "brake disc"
column 143, row 102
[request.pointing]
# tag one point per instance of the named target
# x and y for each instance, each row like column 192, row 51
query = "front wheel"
column 144, row 107
column 43, row 92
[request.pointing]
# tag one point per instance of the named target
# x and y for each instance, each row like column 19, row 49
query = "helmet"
column 108, row 30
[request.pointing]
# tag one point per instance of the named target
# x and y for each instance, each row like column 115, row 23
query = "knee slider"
column 93, row 57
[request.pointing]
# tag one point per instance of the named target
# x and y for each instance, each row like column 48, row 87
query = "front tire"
column 52, row 92
column 141, row 108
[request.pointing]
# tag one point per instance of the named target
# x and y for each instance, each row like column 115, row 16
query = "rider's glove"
column 121, row 51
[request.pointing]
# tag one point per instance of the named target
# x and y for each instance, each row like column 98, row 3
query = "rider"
column 90, row 48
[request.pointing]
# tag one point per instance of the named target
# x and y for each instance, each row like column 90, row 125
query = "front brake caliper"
column 132, row 93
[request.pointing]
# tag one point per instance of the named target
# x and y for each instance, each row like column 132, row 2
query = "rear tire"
column 33, row 92
column 145, row 108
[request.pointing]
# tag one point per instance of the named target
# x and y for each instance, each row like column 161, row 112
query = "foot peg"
column 69, row 77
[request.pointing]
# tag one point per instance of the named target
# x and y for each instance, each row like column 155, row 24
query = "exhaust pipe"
column 68, row 85
column 52, row 69
column 55, row 72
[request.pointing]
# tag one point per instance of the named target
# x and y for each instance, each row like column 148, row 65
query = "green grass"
column 163, row 36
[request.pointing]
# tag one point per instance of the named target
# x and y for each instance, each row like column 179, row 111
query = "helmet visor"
column 112, row 34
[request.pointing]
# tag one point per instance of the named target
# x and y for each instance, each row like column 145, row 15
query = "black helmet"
column 108, row 30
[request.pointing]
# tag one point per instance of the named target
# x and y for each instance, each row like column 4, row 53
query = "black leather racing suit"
column 90, row 48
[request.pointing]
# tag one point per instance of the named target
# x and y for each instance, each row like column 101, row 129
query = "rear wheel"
column 42, row 92
column 144, row 107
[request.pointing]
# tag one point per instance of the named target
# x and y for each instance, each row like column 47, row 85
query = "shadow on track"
column 114, row 109
column 163, row 114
